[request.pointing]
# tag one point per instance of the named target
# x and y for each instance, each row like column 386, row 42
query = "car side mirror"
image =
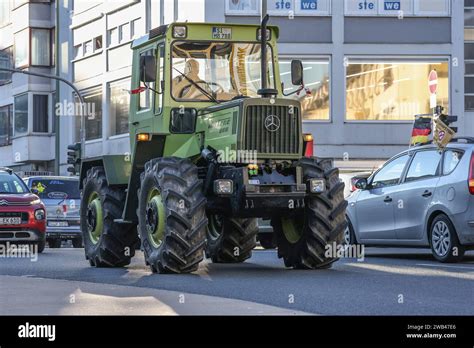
column 362, row 184
column 297, row 72
column 34, row 191
column 147, row 69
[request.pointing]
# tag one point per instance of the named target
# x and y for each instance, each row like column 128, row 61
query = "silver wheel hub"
column 441, row 238
column 347, row 236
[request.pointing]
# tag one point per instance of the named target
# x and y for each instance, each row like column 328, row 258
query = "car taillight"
column 308, row 142
column 470, row 181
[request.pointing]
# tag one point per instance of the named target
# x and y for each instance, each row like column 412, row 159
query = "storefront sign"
column 399, row 8
column 280, row 7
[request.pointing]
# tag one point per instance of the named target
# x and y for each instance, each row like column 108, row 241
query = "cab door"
column 375, row 205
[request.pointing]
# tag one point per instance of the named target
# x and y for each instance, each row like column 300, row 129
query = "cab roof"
column 163, row 30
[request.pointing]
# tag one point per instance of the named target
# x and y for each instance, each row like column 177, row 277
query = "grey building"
column 366, row 63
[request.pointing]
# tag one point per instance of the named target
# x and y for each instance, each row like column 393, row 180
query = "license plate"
column 58, row 223
column 10, row 221
column 219, row 33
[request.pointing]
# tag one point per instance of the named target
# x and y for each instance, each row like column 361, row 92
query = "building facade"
column 366, row 63
column 26, row 103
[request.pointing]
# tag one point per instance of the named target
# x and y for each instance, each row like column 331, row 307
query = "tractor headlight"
column 40, row 214
column 180, row 32
column 317, row 185
column 223, row 187
column 259, row 34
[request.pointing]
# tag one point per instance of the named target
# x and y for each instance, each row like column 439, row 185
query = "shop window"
column 119, row 106
column 316, row 78
column 392, row 90
column 21, row 114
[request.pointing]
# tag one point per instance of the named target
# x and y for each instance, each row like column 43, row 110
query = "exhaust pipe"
column 264, row 91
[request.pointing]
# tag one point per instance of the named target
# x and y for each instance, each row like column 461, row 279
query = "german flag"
column 421, row 130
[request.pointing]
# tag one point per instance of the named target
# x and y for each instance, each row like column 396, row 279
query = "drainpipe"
column 57, row 145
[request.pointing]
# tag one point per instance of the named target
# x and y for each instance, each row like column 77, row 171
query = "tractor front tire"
column 106, row 243
column 171, row 215
column 230, row 240
column 303, row 236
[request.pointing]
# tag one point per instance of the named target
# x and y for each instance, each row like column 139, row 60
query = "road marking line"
column 428, row 265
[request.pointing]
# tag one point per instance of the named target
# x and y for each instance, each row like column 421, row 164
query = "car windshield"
column 55, row 188
column 11, row 184
column 225, row 70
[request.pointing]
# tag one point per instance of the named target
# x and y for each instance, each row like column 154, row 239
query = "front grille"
column 284, row 140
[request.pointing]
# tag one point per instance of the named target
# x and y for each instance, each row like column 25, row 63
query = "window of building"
column 97, row 43
column 21, row 114
column 135, row 28
column 40, row 113
column 6, row 61
column 392, row 90
column 88, row 48
column 124, row 32
column 5, row 12
column 93, row 100
column 316, row 78
column 22, row 48
column 119, row 106
column 6, row 125
column 425, row 165
column 113, row 36
column 469, row 55
column 41, row 47
column 78, row 51
column 242, row 7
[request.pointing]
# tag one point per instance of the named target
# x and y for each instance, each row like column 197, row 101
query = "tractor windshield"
column 224, row 70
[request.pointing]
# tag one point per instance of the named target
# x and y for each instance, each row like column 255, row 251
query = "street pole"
column 57, row 143
column 70, row 84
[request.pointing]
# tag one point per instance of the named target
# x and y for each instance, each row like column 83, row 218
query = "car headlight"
column 40, row 214
column 36, row 201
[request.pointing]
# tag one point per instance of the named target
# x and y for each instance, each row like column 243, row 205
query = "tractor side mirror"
column 297, row 72
column 362, row 184
column 147, row 69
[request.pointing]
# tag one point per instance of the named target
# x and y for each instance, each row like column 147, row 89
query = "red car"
column 22, row 215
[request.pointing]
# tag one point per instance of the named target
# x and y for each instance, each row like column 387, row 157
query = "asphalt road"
column 387, row 282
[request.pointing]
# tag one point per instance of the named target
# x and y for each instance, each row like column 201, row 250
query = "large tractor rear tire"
column 172, row 215
column 106, row 243
column 230, row 240
column 302, row 237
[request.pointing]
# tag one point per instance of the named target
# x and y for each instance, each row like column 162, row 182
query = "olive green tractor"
column 214, row 146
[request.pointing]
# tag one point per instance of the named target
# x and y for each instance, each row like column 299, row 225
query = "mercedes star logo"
column 272, row 123
column 3, row 202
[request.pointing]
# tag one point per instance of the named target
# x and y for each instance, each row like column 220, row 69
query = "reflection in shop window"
column 316, row 78
column 392, row 90
column 118, row 106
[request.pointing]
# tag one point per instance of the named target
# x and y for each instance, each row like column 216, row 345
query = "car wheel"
column 444, row 241
column 77, row 243
column 54, row 243
column 41, row 246
column 349, row 235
